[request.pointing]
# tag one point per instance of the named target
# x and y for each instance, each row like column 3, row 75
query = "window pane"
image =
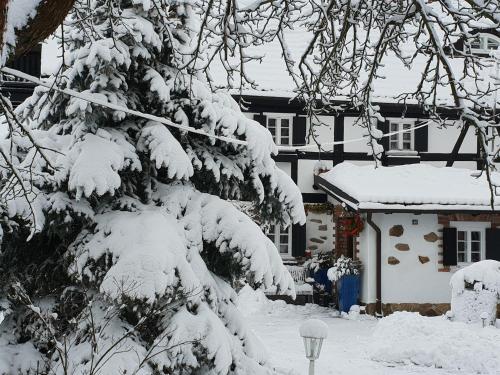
column 461, row 258
column 461, row 235
column 462, row 247
column 475, row 257
column 475, row 236
column 476, row 43
column 492, row 44
column 406, row 145
column 394, row 127
column 393, row 145
column 474, row 247
column 284, row 248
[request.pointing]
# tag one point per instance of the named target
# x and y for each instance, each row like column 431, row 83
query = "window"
column 485, row 43
column 282, row 239
column 281, row 129
column 401, row 141
column 470, row 241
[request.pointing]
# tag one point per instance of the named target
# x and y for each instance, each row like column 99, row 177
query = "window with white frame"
column 403, row 140
column 485, row 43
column 282, row 239
column 281, row 129
column 470, row 242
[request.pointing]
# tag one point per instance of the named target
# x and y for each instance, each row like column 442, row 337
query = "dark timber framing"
column 269, row 104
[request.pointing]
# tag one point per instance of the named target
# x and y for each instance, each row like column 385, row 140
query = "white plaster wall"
column 411, row 281
column 320, row 232
column 352, row 131
column 305, row 175
column 443, row 139
column 368, row 256
column 285, row 166
column 323, row 129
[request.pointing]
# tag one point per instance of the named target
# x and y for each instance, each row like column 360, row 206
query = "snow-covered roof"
column 413, row 187
column 272, row 79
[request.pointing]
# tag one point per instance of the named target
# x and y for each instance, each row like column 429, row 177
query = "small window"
column 470, row 245
column 282, row 239
column 485, row 43
column 402, row 141
column 280, row 128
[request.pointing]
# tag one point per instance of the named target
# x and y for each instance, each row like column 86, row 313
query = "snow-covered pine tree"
column 133, row 245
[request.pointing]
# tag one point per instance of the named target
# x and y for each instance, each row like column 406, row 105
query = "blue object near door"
column 321, row 277
column 348, row 291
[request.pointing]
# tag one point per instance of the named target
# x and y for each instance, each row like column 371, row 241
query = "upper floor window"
column 403, row 141
column 485, row 43
column 281, row 129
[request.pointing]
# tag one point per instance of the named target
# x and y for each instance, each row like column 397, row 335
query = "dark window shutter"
column 421, row 137
column 493, row 243
column 299, row 131
column 261, row 119
column 449, row 246
column 298, row 240
column 383, row 126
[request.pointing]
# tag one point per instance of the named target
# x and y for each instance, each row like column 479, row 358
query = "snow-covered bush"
column 343, row 266
column 475, row 292
column 136, row 245
column 456, row 347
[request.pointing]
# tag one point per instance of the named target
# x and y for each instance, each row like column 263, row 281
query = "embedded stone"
column 316, row 221
column 313, row 247
column 393, row 261
column 423, row 259
column 323, row 237
column 402, row 246
column 396, row 231
column 323, row 228
column 431, row 237
column 316, row 240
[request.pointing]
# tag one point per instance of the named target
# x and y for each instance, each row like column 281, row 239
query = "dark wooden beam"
column 457, row 146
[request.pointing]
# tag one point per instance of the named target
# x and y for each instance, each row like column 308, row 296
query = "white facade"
column 410, row 280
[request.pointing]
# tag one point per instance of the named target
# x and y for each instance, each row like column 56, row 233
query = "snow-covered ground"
column 402, row 344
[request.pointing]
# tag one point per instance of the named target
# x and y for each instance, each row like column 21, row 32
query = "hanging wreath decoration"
column 352, row 226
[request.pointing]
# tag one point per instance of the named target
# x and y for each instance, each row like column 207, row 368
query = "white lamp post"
column 313, row 332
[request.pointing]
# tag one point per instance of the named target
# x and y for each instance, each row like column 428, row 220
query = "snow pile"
column 486, row 272
column 409, row 338
column 419, row 185
column 314, row 328
column 251, row 301
column 475, row 292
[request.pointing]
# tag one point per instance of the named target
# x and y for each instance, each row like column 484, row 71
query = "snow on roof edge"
column 414, row 187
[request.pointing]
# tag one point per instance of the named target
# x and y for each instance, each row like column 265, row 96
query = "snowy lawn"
column 401, row 344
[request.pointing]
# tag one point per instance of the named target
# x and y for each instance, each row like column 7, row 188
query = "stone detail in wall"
column 396, row 231
column 393, row 261
column 323, row 228
column 423, row 259
column 402, row 246
column 316, row 221
column 431, row 237
column 316, row 240
column 313, row 247
column 323, row 237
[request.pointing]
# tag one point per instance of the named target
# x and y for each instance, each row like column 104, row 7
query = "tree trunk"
column 50, row 14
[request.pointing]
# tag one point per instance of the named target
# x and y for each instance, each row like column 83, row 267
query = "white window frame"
column 399, row 137
column 468, row 227
column 277, row 230
column 279, row 117
column 483, row 42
